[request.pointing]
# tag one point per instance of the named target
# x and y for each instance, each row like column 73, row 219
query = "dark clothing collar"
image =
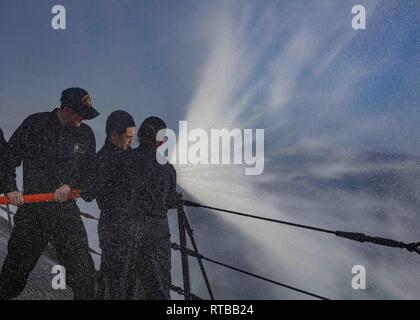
column 110, row 147
column 146, row 148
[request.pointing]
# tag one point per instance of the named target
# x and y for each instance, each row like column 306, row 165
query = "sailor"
column 8, row 175
column 110, row 186
column 53, row 148
column 133, row 228
column 154, row 192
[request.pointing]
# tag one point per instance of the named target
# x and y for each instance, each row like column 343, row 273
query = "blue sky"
column 125, row 50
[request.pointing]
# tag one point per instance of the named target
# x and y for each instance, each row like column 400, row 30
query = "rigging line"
column 355, row 236
column 198, row 205
column 173, row 287
column 7, row 210
column 190, row 252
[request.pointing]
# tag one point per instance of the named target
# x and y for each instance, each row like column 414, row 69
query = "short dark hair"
column 119, row 121
column 150, row 128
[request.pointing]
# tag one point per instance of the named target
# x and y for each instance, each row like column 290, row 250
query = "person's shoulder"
column 87, row 132
column 169, row 166
column 37, row 118
column 36, row 121
column 138, row 155
column 168, row 169
column 86, row 129
column 100, row 158
column 136, row 158
column 171, row 169
column 2, row 140
column 101, row 152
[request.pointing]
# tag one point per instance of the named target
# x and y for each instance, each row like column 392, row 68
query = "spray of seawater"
column 251, row 80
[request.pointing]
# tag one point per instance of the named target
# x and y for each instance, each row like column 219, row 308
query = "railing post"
column 200, row 262
column 183, row 244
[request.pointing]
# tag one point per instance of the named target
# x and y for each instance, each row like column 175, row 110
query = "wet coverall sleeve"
column 7, row 171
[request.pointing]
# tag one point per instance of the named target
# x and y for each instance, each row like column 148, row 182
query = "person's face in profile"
column 123, row 140
column 70, row 118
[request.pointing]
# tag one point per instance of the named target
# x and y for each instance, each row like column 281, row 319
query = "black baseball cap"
column 79, row 100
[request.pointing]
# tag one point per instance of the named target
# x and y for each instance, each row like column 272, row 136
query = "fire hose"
column 43, row 197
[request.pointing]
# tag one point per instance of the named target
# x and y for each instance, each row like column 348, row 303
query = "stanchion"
column 183, row 243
